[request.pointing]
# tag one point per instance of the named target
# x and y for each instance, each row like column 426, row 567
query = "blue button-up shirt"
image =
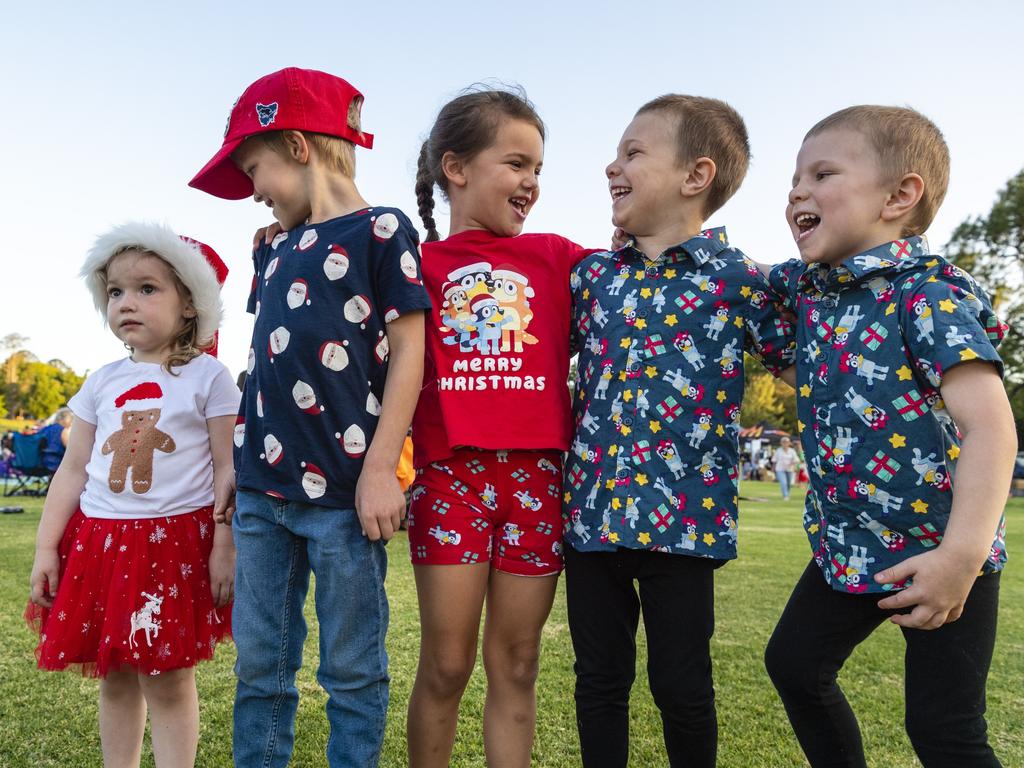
column 875, row 336
column 654, row 461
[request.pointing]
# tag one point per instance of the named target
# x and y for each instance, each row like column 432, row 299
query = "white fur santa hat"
column 199, row 267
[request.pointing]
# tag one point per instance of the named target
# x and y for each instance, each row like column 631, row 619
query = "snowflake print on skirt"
column 132, row 593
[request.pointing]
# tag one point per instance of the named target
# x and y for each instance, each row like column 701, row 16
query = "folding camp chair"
column 25, row 471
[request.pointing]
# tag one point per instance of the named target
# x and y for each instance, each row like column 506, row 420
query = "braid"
column 425, row 195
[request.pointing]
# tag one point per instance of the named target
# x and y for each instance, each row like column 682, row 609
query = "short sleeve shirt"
column 151, row 456
column 876, row 335
column 322, row 295
column 497, row 344
column 653, row 464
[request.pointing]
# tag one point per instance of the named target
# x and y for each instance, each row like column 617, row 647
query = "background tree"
column 32, row 389
column 991, row 248
column 766, row 398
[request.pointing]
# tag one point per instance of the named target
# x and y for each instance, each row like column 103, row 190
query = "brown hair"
column 337, row 152
column 708, row 128
column 466, row 125
column 905, row 141
column 186, row 341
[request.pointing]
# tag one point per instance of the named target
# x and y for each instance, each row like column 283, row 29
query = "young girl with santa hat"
column 132, row 579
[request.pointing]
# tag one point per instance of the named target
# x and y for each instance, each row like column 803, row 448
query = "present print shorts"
column 502, row 507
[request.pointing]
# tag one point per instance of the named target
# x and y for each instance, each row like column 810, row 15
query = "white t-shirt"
column 151, row 457
column 785, row 459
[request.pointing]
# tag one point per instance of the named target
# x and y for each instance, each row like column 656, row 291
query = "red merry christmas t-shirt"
column 497, row 344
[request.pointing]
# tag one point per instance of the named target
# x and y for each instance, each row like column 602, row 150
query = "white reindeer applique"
column 143, row 619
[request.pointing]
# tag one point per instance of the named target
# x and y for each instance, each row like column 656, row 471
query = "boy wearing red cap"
column 334, row 368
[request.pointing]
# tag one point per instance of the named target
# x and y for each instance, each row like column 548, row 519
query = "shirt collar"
column 700, row 248
column 894, row 256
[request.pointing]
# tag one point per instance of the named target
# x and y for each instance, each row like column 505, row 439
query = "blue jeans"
column 278, row 543
column 784, row 481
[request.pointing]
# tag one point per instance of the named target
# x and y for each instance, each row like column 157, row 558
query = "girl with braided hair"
column 492, row 423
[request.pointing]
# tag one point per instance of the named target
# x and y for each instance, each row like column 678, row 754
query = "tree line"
column 31, row 388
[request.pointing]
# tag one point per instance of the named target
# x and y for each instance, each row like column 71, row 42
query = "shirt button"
column 634, row 367
column 621, row 473
column 628, row 420
column 641, row 312
column 829, row 302
column 652, row 271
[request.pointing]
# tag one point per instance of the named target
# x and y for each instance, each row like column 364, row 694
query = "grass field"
column 49, row 719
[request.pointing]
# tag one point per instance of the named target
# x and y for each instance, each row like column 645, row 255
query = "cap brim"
column 221, row 178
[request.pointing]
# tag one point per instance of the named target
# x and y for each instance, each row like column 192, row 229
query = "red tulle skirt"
column 132, row 593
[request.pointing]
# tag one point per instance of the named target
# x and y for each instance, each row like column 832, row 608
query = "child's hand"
column 222, row 567
column 266, row 234
column 224, row 497
column 45, row 575
column 941, row 583
column 619, row 238
column 379, row 503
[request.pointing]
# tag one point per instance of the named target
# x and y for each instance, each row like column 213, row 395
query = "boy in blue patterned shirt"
column 650, row 493
column 909, row 437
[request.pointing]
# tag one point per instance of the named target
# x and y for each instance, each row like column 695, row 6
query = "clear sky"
column 110, row 108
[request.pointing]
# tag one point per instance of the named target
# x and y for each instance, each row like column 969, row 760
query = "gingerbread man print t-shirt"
column 497, row 344
column 151, row 455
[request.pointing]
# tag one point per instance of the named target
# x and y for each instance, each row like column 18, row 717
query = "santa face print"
column 277, row 180
column 496, row 189
column 145, row 306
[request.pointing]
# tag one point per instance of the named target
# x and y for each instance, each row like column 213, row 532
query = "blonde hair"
column 338, row 153
column 186, row 342
column 708, row 128
column 904, row 141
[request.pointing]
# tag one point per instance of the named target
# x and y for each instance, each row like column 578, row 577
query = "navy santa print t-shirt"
column 322, row 295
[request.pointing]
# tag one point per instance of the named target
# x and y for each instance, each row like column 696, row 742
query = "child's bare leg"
column 122, row 719
column 517, row 607
column 451, row 599
column 174, row 716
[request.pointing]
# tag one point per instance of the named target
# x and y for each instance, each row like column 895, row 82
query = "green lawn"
column 49, row 719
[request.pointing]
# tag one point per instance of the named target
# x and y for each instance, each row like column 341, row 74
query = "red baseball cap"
column 291, row 99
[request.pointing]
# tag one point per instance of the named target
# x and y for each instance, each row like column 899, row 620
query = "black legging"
column 945, row 669
column 676, row 594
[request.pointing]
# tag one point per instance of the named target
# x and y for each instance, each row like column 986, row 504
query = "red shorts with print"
column 499, row 506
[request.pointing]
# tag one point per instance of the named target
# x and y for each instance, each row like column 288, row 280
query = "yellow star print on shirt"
column 904, row 373
column 921, row 507
column 651, row 371
column 953, row 452
column 670, row 274
column 947, row 305
column 645, row 293
column 655, row 426
column 671, row 320
column 897, row 440
column 644, row 538
column 805, row 390
column 968, row 354
column 709, row 539
column 708, row 502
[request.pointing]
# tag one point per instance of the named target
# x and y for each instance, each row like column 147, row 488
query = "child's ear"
column 453, row 169
column 903, row 198
column 189, row 312
column 698, row 179
column 298, row 147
